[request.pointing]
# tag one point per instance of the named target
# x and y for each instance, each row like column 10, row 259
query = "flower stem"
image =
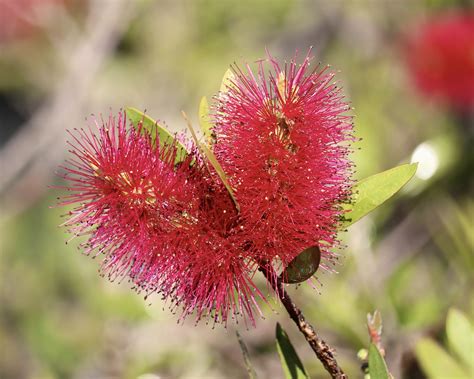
column 322, row 350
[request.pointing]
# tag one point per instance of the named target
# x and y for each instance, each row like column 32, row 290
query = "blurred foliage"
column 437, row 362
column 50, row 309
column 412, row 259
column 292, row 366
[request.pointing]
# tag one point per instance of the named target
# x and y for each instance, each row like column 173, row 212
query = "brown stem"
column 323, row 351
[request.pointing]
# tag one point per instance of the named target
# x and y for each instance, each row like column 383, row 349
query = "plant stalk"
column 322, row 350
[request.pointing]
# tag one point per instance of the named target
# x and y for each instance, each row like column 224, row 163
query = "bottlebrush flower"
column 283, row 139
column 174, row 229
column 169, row 228
column 440, row 58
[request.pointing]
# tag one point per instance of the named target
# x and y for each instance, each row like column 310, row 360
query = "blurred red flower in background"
column 24, row 18
column 440, row 58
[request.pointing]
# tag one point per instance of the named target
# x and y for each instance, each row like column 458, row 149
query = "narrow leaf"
column 148, row 124
column 220, row 171
column 460, row 335
column 303, row 266
column 377, row 366
column 211, row 158
column 204, row 121
column 245, row 353
column 281, row 85
column 436, row 362
column 373, row 191
column 227, row 81
column 291, row 363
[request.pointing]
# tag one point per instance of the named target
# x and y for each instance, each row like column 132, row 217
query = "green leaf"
column 204, row 121
column 281, row 84
column 460, row 335
column 211, row 158
column 303, row 266
column 245, row 353
column 373, row 191
column 220, row 171
column 148, row 124
column 291, row 363
column 227, row 81
column 436, row 362
column 377, row 367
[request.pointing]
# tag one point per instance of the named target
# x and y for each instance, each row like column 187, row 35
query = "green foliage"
column 291, row 363
column 373, row 191
column 421, row 308
column 458, row 222
column 212, row 160
column 227, row 81
column 374, row 358
column 139, row 118
column 57, row 287
column 204, row 121
column 369, row 193
column 460, row 333
column 436, row 362
column 377, row 366
column 220, row 171
column 303, row 266
column 245, row 354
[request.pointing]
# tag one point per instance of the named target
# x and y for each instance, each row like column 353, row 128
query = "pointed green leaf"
column 211, row 158
column 436, row 362
column 137, row 117
column 291, row 363
column 377, row 366
column 373, row 191
column 220, row 171
column 227, row 81
column 245, row 353
column 281, row 85
column 204, row 121
column 303, row 266
column 460, row 335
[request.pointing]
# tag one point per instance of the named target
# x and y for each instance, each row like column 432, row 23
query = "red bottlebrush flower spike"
column 173, row 229
column 440, row 57
column 169, row 228
column 283, row 140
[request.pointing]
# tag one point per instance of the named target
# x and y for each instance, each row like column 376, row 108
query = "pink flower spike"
column 284, row 139
column 170, row 229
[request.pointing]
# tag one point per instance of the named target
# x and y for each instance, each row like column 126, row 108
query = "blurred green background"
column 60, row 60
